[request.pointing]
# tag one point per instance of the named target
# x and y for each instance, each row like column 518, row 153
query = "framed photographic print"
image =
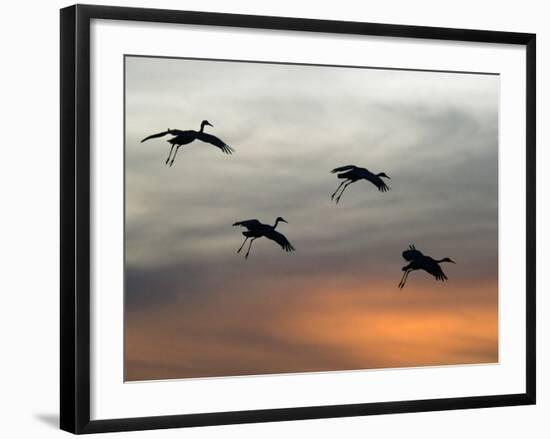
column 268, row 218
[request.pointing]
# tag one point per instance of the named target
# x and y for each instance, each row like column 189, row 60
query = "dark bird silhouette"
column 184, row 137
column 418, row 261
column 256, row 230
column 351, row 174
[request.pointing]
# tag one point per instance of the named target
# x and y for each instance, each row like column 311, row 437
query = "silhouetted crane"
column 256, row 230
column 352, row 173
column 184, row 137
column 418, row 261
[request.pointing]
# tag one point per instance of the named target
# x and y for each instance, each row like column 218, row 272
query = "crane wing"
column 378, row 182
column 154, row 136
column 412, row 253
column 182, row 132
column 280, row 239
column 213, row 140
column 249, row 224
column 344, row 168
column 434, row 269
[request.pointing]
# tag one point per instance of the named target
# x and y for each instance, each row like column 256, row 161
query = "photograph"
column 297, row 218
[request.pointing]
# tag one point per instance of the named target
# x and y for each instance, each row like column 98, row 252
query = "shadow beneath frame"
column 49, row 419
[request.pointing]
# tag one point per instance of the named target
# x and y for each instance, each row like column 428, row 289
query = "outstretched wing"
column 213, row 140
column 344, row 168
column 154, row 136
column 249, row 224
column 412, row 253
column 434, row 269
column 378, row 182
column 182, row 132
column 280, row 239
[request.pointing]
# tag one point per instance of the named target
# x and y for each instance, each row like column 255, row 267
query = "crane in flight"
column 352, row 173
column 184, row 137
column 256, row 229
column 418, row 261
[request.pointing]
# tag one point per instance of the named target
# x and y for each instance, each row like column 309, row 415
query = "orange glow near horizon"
column 323, row 329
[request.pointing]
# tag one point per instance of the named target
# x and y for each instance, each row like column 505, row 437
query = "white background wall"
column 29, row 248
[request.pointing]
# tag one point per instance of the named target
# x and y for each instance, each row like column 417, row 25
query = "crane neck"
column 202, row 127
column 276, row 222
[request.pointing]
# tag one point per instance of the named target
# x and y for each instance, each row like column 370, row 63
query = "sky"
column 196, row 308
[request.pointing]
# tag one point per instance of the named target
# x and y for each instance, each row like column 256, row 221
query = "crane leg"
column 401, row 281
column 249, row 246
column 174, row 156
column 341, row 193
column 169, row 155
column 404, row 279
column 241, row 247
column 332, row 196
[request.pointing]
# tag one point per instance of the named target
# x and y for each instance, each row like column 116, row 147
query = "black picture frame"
column 75, row 218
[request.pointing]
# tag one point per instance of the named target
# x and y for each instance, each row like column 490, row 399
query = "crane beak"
column 450, row 260
column 209, row 124
column 284, row 221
